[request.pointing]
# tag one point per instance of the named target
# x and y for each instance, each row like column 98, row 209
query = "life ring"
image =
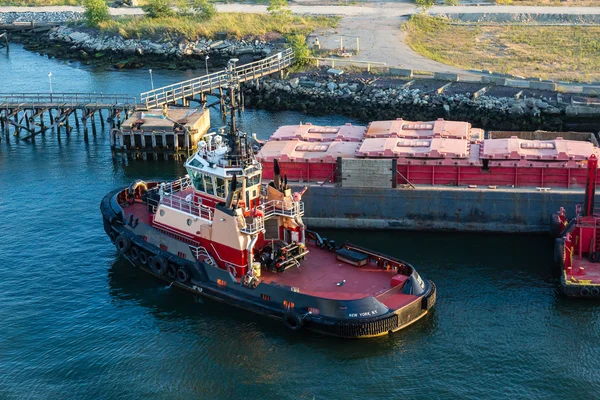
column 594, row 257
column 134, row 253
column 293, row 321
column 143, row 257
column 158, row 264
column 584, row 291
column 172, row 271
column 231, row 269
column 595, row 291
column 182, row 275
column 122, row 243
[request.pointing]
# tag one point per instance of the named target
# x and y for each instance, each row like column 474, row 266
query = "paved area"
column 376, row 24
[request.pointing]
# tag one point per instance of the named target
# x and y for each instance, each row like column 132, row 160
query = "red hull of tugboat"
column 577, row 250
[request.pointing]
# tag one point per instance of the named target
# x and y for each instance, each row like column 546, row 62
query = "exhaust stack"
column 276, row 175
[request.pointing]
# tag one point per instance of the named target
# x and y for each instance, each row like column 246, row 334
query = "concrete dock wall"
column 440, row 208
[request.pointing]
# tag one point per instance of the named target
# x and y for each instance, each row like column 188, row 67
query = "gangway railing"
column 74, row 99
column 207, row 83
column 282, row 208
column 270, row 209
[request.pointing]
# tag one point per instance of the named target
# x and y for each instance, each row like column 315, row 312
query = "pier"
column 216, row 83
column 25, row 112
column 160, row 120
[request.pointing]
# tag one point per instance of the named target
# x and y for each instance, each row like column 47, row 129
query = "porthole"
column 162, row 213
column 189, row 222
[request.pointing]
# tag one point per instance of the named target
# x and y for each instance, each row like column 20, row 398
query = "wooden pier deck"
column 24, row 112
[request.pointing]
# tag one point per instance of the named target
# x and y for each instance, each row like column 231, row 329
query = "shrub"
column 279, row 8
column 205, row 9
column 158, row 8
column 425, row 4
column 96, row 11
column 301, row 51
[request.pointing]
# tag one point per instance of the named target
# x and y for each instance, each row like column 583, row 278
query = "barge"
column 577, row 249
column 432, row 175
column 219, row 232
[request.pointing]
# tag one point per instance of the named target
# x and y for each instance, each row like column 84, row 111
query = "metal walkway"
column 207, row 83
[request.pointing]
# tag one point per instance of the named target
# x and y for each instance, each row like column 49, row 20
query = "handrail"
column 177, row 91
column 73, row 98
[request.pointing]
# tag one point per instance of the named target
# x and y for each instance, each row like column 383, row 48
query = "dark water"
column 78, row 323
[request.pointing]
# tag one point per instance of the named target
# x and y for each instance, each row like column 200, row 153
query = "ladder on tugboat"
column 200, row 251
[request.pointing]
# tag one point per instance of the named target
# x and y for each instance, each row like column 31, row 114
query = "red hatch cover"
column 302, row 151
column 520, row 149
column 419, row 130
column 414, row 148
column 314, row 133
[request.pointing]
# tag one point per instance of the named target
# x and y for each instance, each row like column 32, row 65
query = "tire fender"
column 158, row 264
column 122, row 243
column 293, row 321
column 182, row 275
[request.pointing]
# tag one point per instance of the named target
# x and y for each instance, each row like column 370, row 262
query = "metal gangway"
column 208, row 83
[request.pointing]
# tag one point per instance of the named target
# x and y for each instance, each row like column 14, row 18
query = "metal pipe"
column 590, row 186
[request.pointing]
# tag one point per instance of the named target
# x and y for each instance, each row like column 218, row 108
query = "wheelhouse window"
column 253, row 180
column 197, row 180
column 220, row 187
column 208, row 184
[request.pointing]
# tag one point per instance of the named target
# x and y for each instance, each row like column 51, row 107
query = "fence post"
column 357, row 46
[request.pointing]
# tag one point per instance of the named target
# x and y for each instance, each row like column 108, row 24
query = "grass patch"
column 567, row 53
column 31, row 3
column 237, row 25
column 557, row 3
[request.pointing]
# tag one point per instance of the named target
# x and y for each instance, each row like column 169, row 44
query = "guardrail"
column 190, row 88
column 68, row 98
column 333, row 61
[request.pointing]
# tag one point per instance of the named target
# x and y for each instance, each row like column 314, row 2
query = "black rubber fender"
column 122, row 243
column 293, row 321
column 158, row 264
column 143, row 258
column 172, row 271
column 594, row 257
column 555, row 225
column 134, row 253
column 559, row 252
column 595, row 291
column 584, row 291
column 113, row 237
column 182, row 275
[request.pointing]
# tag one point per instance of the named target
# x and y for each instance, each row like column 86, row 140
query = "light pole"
column 50, row 79
column 151, row 80
column 206, row 63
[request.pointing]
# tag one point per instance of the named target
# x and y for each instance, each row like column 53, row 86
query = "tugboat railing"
column 282, row 208
column 178, row 185
column 181, row 204
column 257, row 225
column 270, row 209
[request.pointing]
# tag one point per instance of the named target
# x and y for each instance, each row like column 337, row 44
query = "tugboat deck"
column 589, row 275
column 319, row 274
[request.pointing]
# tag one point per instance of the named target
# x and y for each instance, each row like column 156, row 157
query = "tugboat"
column 220, row 233
column 577, row 249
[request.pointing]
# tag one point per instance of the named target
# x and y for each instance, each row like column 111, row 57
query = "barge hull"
column 500, row 210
